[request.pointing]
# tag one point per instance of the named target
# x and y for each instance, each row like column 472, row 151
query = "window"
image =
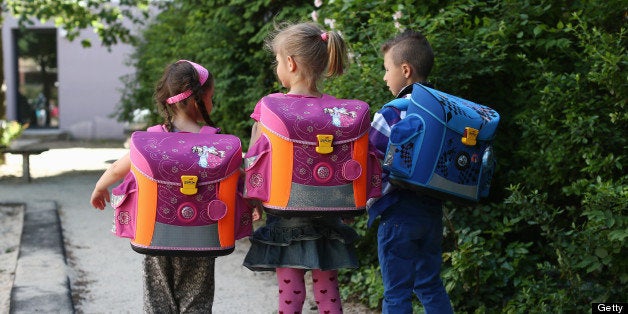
column 36, row 67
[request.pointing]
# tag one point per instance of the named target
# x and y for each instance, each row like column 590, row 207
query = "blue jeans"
column 410, row 257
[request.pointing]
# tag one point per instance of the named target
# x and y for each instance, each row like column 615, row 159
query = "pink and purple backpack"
column 313, row 157
column 181, row 196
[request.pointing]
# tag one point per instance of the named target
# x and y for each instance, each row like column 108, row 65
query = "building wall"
column 89, row 83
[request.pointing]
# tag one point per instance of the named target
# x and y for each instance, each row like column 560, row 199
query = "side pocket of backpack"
column 404, row 146
column 374, row 173
column 124, row 203
column 257, row 167
column 243, row 218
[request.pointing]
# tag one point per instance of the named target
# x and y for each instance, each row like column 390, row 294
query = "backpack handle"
column 204, row 129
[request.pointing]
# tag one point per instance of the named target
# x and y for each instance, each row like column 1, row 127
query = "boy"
column 410, row 230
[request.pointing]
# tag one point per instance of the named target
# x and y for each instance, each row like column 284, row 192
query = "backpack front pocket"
column 404, row 146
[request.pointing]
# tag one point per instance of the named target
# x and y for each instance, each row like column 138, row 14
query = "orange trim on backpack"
column 146, row 208
column 360, row 154
column 227, row 193
column 281, row 169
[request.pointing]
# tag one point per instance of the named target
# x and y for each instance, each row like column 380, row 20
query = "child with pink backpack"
column 178, row 202
column 309, row 165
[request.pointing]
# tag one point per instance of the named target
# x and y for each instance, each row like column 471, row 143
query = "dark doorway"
column 36, row 69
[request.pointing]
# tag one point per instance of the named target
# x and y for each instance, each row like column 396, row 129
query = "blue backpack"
column 443, row 146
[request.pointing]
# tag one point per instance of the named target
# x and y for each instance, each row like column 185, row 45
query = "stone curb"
column 41, row 276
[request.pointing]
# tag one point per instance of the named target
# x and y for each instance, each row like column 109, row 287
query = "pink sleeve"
column 157, row 128
column 257, row 111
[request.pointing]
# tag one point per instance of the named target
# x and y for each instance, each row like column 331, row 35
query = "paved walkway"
column 69, row 261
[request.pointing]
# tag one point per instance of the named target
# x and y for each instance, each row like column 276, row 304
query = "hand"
column 348, row 220
column 100, row 198
column 257, row 212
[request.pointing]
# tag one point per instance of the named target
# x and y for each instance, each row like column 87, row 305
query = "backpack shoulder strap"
column 157, row 128
column 205, row 129
column 209, row 130
column 399, row 103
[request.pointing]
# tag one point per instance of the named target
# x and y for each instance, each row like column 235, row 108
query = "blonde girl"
column 305, row 53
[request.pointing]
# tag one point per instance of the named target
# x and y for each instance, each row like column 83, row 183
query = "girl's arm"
column 115, row 172
column 255, row 134
column 257, row 205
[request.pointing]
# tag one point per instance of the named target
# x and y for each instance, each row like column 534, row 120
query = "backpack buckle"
column 324, row 143
column 469, row 136
column 189, row 185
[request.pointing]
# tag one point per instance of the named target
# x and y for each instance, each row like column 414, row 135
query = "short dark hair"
column 413, row 48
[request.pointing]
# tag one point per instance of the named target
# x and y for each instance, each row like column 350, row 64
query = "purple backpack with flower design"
column 313, row 157
column 182, row 194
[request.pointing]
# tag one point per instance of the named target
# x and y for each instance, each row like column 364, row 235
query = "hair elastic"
column 203, row 74
column 324, row 36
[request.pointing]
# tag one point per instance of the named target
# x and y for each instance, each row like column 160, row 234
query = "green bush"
column 551, row 234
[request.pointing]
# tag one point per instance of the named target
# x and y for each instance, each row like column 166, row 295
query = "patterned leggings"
column 178, row 284
column 292, row 290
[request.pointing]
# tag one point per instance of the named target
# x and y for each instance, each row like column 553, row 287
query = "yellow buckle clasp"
column 469, row 136
column 324, row 143
column 189, row 185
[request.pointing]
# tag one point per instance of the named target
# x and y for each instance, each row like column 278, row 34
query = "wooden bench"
column 26, row 153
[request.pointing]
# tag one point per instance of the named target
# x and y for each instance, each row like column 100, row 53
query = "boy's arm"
column 383, row 120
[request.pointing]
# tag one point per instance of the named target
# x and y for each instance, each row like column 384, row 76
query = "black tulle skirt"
column 302, row 242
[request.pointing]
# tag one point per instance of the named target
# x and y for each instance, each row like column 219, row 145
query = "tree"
column 225, row 36
column 107, row 20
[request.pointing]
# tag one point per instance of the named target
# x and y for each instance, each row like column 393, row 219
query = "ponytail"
column 319, row 53
column 337, row 51
column 200, row 106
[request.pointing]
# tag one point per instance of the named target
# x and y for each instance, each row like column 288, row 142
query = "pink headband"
column 324, row 36
column 203, row 74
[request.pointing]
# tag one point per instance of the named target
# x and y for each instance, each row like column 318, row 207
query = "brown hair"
column 177, row 78
column 413, row 48
column 315, row 50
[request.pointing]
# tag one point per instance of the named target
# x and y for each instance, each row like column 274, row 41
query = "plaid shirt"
column 383, row 121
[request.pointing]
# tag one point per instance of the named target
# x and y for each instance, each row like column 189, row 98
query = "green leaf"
column 601, row 252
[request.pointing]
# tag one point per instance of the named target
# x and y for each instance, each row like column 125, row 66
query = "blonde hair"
column 318, row 53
